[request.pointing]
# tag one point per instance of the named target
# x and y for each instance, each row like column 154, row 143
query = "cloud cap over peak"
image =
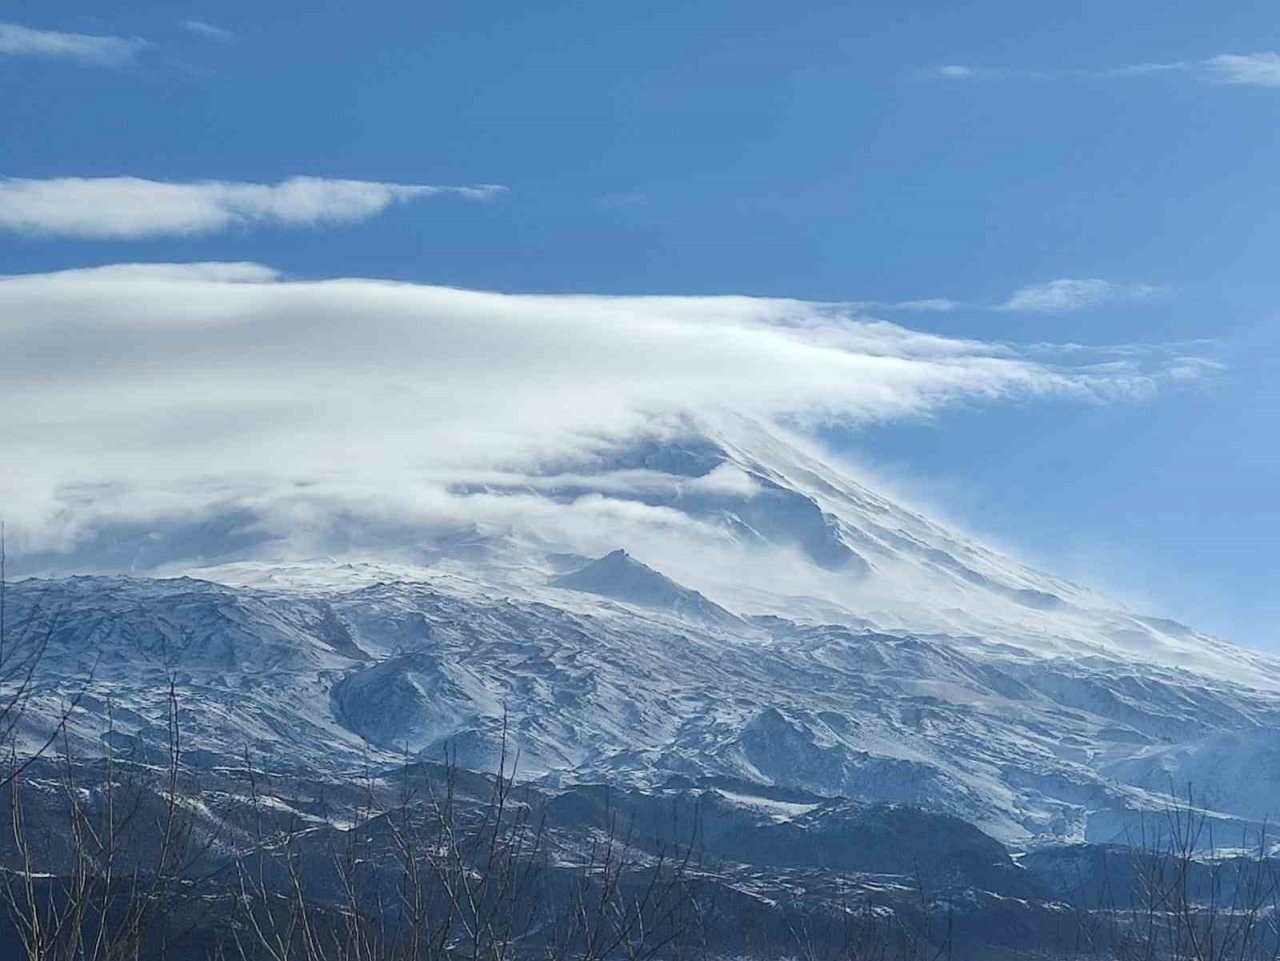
column 150, row 388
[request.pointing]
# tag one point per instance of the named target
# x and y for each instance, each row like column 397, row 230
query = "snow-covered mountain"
column 736, row 608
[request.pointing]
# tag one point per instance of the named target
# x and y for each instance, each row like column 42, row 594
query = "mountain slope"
column 780, row 625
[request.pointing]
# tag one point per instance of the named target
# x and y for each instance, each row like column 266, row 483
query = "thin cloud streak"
column 1245, row 69
column 131, row 208
column 1067, row 294
column 101, row 51
column 1056, row 296
column 928, row 305
column 202, row 28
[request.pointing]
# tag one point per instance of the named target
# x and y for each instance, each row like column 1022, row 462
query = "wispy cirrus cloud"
column 93, row 49
column 203, row 28
column 1054, row 297
column 927, row 305
column 1070, row 294
column 130, row 208
column 959, row 71
column 1238, row 69
column 1251, row 69
column 924, row 305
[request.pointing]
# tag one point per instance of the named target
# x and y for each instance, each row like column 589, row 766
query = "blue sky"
column 828, row 152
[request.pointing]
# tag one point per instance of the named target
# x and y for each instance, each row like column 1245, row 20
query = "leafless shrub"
column 1174, row 894
column 120, row 859
column 429, row 878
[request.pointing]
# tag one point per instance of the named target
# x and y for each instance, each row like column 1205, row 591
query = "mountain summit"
column 620, row 576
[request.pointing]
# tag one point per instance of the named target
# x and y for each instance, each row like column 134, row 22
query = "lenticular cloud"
column 151, row 388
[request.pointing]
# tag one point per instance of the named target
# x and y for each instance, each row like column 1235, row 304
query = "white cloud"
column 138, row 391
column 959, row 71
column 202, row 28
column 1240, row 69
column 1065, row 295
column 102, row 51
column 1252, row 69
column 928, row 304
column 1141, row 69
column 131, row 208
